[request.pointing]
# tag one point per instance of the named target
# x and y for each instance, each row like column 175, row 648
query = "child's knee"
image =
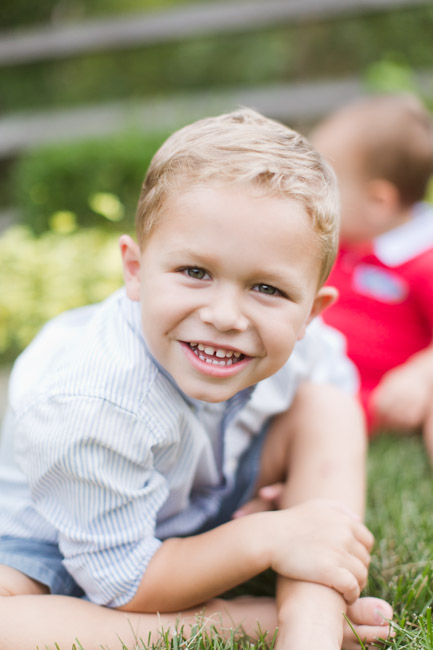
column 15, row 583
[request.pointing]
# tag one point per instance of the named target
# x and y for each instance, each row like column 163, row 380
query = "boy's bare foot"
column 369, row 617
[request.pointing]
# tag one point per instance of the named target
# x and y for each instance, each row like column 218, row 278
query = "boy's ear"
column 385, row 196
column 325, row 297
column 131, row 256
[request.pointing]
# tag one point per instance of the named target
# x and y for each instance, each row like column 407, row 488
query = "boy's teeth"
column 220, row 353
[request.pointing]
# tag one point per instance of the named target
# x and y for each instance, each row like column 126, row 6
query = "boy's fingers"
column 364, row 536
column 272, row 492
column 359, row 570
column 346, row 583
column 267, row 498
column 360, row 551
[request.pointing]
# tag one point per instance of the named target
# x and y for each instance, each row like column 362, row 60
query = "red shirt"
column 385, row 310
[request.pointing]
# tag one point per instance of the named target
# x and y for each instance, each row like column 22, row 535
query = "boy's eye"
column 267, row 289
column 195, row 273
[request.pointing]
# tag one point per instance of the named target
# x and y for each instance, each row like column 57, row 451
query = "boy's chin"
column 212, row 393
column 213, row 397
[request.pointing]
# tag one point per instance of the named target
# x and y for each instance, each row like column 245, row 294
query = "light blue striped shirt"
column 101, row 452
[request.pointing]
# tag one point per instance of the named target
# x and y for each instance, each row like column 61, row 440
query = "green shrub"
column 96, row 181
column 43, row 276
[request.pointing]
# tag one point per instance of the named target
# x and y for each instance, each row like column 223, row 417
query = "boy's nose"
column 224, row 312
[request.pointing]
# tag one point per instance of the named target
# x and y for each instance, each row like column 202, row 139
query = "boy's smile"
column 213, row 361
column 227, row 281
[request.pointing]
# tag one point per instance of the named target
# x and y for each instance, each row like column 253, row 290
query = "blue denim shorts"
column 42, row 560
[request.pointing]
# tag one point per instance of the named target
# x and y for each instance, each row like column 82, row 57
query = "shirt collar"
column 408, row 240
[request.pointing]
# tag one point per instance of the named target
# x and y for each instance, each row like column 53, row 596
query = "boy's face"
column 227, row 283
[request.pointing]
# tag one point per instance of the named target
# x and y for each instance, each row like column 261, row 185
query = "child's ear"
column 385, row 197
column 325, row 297
column 131, row 256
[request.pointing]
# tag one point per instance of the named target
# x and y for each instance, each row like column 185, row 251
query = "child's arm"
column 319, row 541
column 327, row 458
column 403, row 397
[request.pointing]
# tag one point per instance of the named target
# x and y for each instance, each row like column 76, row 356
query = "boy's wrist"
column 259, row 539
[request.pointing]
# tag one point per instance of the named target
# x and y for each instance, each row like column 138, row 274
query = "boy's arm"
column 403, row 397
column 318, row 541
column 328, row 458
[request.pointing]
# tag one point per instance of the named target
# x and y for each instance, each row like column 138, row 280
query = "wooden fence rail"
column 292, row 103
column 58, row 41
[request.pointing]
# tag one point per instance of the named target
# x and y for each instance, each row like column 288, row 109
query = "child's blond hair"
column 248, row 148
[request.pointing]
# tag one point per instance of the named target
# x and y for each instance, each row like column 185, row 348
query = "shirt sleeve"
column 91, row 473
column 320, row 357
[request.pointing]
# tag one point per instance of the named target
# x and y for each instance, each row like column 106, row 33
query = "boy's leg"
column 30, row 621
column 318, row 449
column 306, row 446
column 15, row 583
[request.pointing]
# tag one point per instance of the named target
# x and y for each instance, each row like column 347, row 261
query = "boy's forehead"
column 201, row 220
column 208, row 201
column 198, row 194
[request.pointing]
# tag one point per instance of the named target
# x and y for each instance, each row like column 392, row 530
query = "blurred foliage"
column 88, row 183
column 43, row 276
column 16, row 14
column 390, row 74
column 335, row 48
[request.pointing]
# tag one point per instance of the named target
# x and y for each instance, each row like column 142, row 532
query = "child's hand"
column 322, row 541
column 267, row 498
column 402, row 398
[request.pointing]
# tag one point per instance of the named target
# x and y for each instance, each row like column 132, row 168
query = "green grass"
column 400, row 499
column 399, row 514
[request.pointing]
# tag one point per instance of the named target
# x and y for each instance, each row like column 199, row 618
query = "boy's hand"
column 267, row 498
column 322, row 541
column 402, row 398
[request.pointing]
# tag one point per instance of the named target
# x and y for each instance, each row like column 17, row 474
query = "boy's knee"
column 15, row 583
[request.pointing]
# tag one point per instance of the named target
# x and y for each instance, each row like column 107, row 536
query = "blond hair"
column 393, row 136
column 244, row 147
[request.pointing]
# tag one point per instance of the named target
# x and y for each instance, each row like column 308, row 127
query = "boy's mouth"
column 216, row 356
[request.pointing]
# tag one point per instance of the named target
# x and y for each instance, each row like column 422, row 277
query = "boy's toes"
column 367, row 633
column 369, row 618
column 370, row 611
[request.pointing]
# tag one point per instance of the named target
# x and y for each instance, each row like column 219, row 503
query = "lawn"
column 400, row 516
column 399, row 513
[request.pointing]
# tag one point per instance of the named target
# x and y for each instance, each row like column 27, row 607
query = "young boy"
column 131, row 438
column 382, row 151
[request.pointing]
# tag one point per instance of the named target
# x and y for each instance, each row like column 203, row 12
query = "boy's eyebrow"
column 290, row 282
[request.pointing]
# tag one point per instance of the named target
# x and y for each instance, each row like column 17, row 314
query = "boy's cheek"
column 282, row 348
